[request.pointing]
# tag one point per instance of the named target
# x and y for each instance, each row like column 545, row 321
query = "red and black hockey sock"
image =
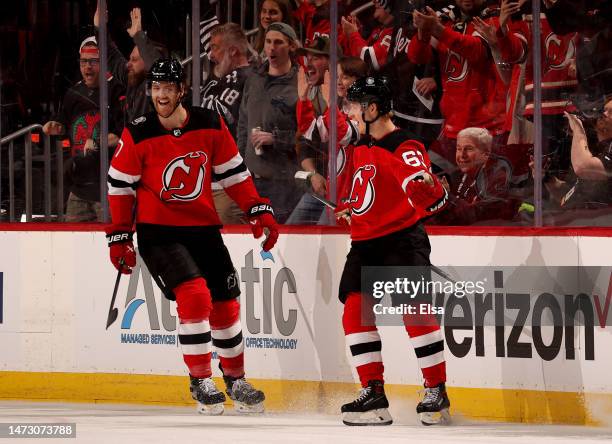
column 362, row 339
column 193, row 304
column 227, row 337
column 426, row 338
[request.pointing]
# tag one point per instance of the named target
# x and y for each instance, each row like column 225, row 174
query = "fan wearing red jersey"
column 161, row 172
column 474, row 94
column 392, row 190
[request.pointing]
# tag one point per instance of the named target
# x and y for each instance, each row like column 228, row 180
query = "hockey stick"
column 327, row 203
column 113, row 312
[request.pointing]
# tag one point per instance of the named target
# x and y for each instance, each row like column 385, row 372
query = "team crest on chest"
column 362, row 191
column 183, row 177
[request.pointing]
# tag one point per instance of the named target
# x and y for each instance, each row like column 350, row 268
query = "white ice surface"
column 115, row 424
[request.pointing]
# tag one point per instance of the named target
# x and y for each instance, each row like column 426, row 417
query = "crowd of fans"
column 462, row 75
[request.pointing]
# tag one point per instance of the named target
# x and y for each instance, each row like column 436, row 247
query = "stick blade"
column 112, row 317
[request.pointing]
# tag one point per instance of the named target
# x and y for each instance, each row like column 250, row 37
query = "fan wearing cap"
column 312, row 104
column 271, row 11
column 391, row 191
column 79, row 119
column 267, row 121
column 160, row 180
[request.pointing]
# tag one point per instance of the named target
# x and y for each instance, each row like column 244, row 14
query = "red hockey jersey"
column 317, row 25
column 316, row 135
column 378, row 196
column 473, row 94
column 558, row 62
column 373, row 51
column 169, row 172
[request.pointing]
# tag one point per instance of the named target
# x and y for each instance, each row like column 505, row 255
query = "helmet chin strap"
column 368, row 122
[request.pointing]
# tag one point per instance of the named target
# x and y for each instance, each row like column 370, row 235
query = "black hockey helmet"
column 166, row 70
column 372, row 89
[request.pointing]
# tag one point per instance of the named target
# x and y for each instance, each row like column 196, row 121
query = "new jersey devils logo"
column 456, row 67
column 560, row 51
column 362, row 191
column 183, row 177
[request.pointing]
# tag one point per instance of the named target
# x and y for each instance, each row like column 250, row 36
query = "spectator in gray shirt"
column 267, row 124
column 131, row 73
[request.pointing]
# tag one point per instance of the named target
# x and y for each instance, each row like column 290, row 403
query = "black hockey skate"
column 210, row 399
column 433, row 409
column 247, row 399
column 370, row 408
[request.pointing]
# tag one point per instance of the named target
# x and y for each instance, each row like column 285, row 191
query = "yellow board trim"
column 511, row 405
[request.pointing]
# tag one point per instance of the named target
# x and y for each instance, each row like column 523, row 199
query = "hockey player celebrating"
column 392, row 190
column 164, row 163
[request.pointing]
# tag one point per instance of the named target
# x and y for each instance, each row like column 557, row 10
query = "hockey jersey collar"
column 392, row 140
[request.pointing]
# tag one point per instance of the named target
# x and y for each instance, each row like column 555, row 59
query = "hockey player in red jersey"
column 392, row 190
column 164, row 163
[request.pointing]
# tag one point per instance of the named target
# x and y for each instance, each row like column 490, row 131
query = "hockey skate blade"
column 243, row 408
column 435, row 418
column 210, row 409
column 377, row 417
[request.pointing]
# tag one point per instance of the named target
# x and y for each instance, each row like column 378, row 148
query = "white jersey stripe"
column 229, row 332
column 232, row 163
column 230, row 352
column 125, row 191
column 429, row 338
column 196, row 349
column 234, row 179
column 362, row 338
column 310, row 131
column 194, row 328
column 118, row 175
column 430, row 361
column 366, row 358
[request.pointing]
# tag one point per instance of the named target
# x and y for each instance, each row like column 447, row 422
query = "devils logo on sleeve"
column 456, row 67
column 183, row 177
column 362, row 191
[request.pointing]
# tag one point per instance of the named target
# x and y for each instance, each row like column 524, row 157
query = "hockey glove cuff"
column 122, row 253
column 343, row 214
column 261, row 217
column 425, row 192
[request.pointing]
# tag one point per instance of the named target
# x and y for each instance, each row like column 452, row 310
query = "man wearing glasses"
column 79, row 119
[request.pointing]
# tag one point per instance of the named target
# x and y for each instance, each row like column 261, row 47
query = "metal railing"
column 9, row 142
